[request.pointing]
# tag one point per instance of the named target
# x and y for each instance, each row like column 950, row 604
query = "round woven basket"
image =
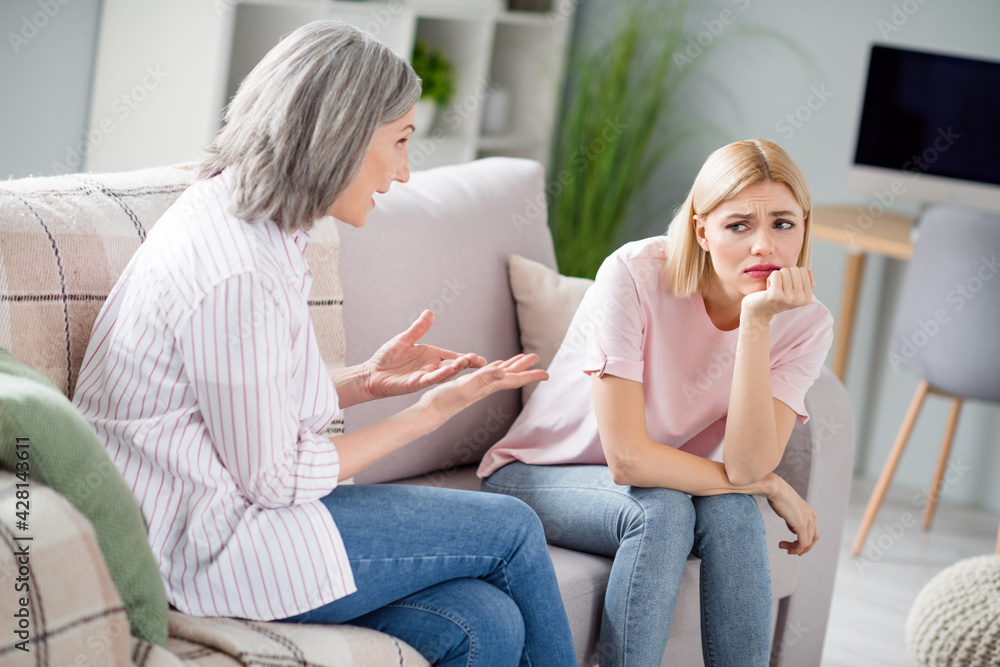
column 955, row 620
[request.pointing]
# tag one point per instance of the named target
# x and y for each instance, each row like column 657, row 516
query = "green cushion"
column 67, row 456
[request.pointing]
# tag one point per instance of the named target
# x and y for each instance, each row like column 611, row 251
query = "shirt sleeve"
column 794, row 369
column 238, row 356
column 615, row 323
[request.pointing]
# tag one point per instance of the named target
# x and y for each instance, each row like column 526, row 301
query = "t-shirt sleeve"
column 795, row 368
column 615, row 323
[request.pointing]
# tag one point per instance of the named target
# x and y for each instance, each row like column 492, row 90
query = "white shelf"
column 206, row 48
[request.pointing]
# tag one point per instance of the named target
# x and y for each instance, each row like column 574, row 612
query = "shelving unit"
column 204, row 48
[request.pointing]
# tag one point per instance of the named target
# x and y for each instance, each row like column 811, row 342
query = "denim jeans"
column 650, row 532
column 463, row 577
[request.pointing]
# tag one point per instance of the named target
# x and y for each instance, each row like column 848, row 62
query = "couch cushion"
column 449, row 231
column 227, row 641
column 63, row 453
column 546, row 302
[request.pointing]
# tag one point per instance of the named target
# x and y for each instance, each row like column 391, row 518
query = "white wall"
column 746, row 85
column 46, row 60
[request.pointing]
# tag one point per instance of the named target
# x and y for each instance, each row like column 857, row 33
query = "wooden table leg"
column 848, row 307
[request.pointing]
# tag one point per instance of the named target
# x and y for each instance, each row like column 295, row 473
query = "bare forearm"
column 351, row 384
column 752, row 447
column 651, row 464
column 362, row 448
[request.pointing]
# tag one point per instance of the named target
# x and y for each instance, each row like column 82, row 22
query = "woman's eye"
column 784, row 224
column 737, row 226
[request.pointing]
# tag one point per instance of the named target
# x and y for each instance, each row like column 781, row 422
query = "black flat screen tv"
column 929, row 129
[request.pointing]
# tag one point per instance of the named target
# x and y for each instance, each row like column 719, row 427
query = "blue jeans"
column 650, row 532
column 463, row 577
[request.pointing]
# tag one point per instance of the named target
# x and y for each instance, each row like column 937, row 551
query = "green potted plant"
column 606, row 142
column 438, row 79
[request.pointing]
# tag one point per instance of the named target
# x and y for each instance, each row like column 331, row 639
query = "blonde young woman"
column 670, row 403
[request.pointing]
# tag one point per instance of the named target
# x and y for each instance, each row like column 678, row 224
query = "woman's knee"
column 733, row 514
column 665, row 512
column 472, row 622
column 513, row 515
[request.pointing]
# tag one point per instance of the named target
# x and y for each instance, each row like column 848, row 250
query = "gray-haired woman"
column 205, row 383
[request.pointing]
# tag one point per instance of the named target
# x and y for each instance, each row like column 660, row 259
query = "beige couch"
column 441, row 241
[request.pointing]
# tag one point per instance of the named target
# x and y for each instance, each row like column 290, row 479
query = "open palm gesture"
column 403, row 366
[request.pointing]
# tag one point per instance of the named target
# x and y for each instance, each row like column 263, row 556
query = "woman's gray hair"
column 299, row 127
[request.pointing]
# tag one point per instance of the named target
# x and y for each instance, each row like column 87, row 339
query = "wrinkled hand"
column 402, row 366
column 447, row 400
column 798, row 515
column 786, row 289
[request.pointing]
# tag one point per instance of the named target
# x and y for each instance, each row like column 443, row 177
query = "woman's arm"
column 757, row 424
column 360, row 449
column 401, row 366
column 636, row 460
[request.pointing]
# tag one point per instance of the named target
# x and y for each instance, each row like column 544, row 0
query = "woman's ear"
column 699, row 233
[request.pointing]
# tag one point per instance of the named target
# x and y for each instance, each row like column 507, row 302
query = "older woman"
column 672, row 397
column 204, row 380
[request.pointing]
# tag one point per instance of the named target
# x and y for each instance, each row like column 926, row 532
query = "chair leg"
column 949, row 435
column 889, row 469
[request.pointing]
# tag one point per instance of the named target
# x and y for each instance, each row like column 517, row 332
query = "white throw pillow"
column 546, row 302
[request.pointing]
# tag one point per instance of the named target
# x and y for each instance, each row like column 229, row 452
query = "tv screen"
column 931, row 113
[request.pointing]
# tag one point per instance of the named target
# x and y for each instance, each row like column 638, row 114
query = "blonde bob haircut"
column 299, row 127
column 725, row 173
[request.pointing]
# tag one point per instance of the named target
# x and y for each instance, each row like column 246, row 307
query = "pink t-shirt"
column 631, row 326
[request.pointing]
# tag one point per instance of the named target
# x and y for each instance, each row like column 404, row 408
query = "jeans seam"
column 445, row 614
column 706, row 634
column 487, row 557
column 559, row 488
column 631, row 578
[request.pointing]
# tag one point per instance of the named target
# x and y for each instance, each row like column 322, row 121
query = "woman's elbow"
column 621, row 467
column 744, row 475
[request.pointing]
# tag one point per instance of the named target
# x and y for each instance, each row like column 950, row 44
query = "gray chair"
column 946, row 330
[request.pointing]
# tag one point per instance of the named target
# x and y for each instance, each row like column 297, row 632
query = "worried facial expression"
column 759, row 230
column 386, row 161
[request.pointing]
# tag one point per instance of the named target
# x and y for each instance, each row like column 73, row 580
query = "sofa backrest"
column 64, row 240
column 441, row 241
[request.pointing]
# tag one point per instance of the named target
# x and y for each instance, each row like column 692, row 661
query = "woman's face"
column 386, row 161
column 757, row 231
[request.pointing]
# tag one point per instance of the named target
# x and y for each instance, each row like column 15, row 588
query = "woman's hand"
column 401, row 366
column 786, row 289
column 798, row 515
column 447, row 400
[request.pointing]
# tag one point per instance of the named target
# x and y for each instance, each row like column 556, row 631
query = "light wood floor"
column 873, row 593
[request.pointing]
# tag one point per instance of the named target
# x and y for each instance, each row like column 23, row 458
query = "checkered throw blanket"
column 64, row 240
column 72, row 615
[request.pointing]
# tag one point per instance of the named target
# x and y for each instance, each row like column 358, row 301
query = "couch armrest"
column 55, row 590
column 818, row 463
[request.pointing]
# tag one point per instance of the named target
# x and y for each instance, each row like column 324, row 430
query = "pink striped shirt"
column 204, row 381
